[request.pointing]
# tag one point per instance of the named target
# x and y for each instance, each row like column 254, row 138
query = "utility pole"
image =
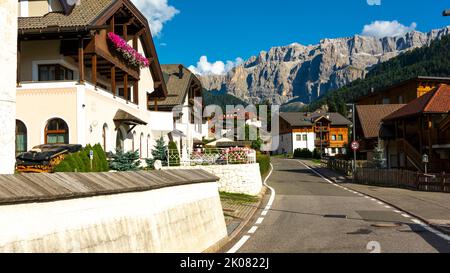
column 353, row 109
column 321, row 146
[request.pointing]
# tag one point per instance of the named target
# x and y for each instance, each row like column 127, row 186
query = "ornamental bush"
column 303, row 153
column 80, row 161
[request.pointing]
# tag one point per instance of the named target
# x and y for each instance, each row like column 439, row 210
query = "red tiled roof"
column 436, row 101
column 370, row 117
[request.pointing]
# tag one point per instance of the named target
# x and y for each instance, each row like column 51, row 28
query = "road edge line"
column 425, row 223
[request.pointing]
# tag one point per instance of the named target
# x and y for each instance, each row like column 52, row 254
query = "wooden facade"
column 403, row 92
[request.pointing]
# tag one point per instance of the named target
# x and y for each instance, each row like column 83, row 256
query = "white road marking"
column 260, row 220
column 239, row 244
column 380, row 203
column 425, row 226
column 388, row 207
column 253, row 230
column 245, row 238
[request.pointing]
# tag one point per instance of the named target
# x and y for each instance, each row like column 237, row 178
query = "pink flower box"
column 135, row 58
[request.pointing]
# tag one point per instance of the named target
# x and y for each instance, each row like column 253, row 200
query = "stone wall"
column 186, row 218
column 8, row 64
column 244, row 178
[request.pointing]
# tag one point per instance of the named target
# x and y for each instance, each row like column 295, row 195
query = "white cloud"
column 204, row 67
column 382, row 29
column 157, row 12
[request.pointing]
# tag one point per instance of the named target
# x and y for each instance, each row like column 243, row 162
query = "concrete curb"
column 222, row 243
column 349, row 182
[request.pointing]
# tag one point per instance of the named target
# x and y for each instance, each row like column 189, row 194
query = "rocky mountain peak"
column 305, row 73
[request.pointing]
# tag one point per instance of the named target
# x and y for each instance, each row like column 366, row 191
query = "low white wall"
column 244, row 178
column 185, row 218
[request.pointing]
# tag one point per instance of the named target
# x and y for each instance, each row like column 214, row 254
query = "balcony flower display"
column 128, row 53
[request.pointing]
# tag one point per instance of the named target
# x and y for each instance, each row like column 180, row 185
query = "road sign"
column 355, row 145
column 91, row 154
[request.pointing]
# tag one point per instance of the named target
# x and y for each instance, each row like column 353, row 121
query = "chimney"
column 180, row 71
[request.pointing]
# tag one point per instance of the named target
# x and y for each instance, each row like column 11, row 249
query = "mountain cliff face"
column 305, row 73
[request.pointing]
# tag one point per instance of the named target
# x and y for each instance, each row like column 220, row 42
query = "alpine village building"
column 89, row 74
column 408, row 120
column 326, row 132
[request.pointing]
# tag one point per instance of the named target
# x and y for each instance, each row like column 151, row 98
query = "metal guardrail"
column 214, row 156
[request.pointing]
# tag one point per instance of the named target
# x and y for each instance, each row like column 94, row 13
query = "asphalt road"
column 310, row 215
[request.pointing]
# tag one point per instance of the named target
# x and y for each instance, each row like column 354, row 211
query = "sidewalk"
column 431, row 207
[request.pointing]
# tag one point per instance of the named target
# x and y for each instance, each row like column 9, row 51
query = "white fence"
column 211, row 157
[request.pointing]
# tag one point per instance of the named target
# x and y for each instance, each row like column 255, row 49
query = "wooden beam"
column 125, row 32
column 136, row 92
column 81, row 60
column 113, row 80
column 18, row 63
column 125, row 87
column 156, row 105
column 135, row 42
column 112, row 24
column 94, row 69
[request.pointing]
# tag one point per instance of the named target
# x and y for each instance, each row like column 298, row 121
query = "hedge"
column 264, row 163
column 80, row 161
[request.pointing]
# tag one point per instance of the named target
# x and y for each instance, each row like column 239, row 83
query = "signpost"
column 91, row 157
column 355, row 146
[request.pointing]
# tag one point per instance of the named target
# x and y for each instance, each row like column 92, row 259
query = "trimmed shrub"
column 80, row 162
column 175, row 156
column 264, row 163
column 316, row 154
column 303, row 153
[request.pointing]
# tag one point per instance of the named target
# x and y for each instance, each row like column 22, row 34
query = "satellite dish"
column 157, row 165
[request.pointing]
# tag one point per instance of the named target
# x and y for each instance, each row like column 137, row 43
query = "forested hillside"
column 433, row 60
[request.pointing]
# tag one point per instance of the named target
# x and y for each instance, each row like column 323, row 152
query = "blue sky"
column 226, row 29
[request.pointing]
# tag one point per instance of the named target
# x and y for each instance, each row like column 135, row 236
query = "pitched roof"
column 436, row 101
column 296, row 119
column 299, row 119
column 335, row 118
column 177, row 87
column 370, row 117
column 82, row 15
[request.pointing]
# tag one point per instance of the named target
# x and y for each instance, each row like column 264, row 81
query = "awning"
column 126, row 118
column 177, row 133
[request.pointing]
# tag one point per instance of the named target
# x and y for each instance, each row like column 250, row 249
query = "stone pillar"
column 8, row 65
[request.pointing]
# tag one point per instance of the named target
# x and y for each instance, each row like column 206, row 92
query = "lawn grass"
column 238, row 198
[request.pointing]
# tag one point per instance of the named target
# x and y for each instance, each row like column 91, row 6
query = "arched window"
column 104, row 136
column 21, row 137
column 56, row 132
column 141, row 139
column 148, row 146
column 133, row 147
column 120, row 140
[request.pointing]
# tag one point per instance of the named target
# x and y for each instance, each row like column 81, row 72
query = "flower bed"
column 127, row 52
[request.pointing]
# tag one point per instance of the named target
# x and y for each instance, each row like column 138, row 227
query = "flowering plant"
column 129, row 54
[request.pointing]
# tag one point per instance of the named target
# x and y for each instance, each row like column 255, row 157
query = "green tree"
column 159, row 152
column 123, row 162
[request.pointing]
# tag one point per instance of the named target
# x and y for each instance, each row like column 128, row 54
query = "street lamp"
column 446, row 12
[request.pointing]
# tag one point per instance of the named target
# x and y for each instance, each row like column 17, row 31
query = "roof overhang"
column 126, row 118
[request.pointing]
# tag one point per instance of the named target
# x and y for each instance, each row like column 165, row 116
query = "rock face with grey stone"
column 8, row 64
column 308, row 72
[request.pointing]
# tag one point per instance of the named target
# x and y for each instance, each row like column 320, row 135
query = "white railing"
column 211, row 157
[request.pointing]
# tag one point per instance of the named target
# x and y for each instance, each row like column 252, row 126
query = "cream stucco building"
column 8, row 36
column 76, row 86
